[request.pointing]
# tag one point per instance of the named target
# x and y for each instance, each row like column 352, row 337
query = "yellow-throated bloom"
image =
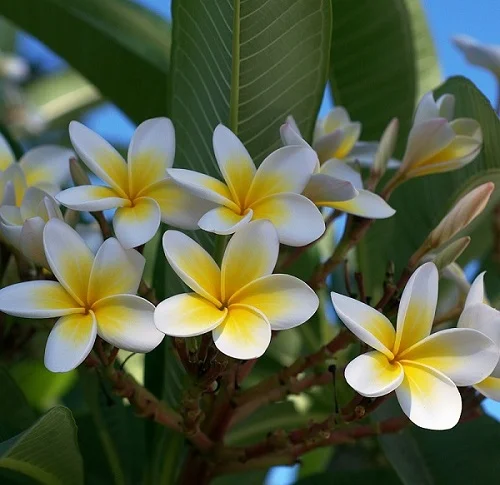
column 423, row 369
column 45, row 167
column 486, row 56
column 480, row 316
column 22, row 227
column 336, row 185
column 270, row 192
column 436, row 142
column 92, row 296
column 241, row 302
column 140, row 189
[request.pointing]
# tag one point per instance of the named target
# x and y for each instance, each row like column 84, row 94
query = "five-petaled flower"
column 270, row 192
column 92, row 296
column 241, row 302
column 423, row 369
column 437, row 143
column 140, row 189
column 480, row 316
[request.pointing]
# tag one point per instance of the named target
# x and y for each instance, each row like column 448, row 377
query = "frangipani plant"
column 263, row 287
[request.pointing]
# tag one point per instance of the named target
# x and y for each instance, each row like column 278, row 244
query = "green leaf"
column 428, row 68
column 119, row 46
column 247, row 65
column 416, row 216
column 15, row 413
column 373, row 64
column 47, row 452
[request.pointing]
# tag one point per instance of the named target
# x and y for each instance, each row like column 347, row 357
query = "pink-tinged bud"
column 462, row 214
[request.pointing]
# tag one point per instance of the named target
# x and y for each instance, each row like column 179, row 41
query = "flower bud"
column 450, row 253
column 386, row 148
column 78, row 174
column 462, row 214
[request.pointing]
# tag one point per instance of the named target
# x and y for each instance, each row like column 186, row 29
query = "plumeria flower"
column 486, row 56
column 423, row 369
column 92, row 296
column 270, row 192
column 479, row 315
column 436, row 142
column 45, row 167
column 22, row 227
column 240, row 303
column 336, row 185
column 139, row 190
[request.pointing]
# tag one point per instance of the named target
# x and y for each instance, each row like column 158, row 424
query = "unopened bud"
column 462, row 214
column 78, row 174
column 450, row 253
column 386, row 147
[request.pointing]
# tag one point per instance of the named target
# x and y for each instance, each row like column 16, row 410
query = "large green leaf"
column 47, row 452
column 247, row 65
column 117, row 45
column 373, row 64
column 417, row 215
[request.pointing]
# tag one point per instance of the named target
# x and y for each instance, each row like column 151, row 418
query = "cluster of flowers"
column 242, row 301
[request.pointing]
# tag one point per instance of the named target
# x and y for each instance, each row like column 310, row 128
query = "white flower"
column 423, row 369
column 482, row 55
column 241, row 302
column 92, row 296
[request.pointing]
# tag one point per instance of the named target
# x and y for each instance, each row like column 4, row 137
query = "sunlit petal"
column 285, row 300
column 430, row 399
column 466, row 356
column 417, row 308
column 69, row 258
column 244, row 334
column 115, row 271
column 490, row 388
column 372, row 375
column 126, row 321
column 193, row 265
column 287, row 169
column 187, row 315
column 150, row 153
column 136, row 225
column 250, row 254
column 100, row 157
column 91, row 198
column 297, row 220
column 70, row 341
column 234, row 162
column 222, row 220
column 37, row 299
column 366, row 323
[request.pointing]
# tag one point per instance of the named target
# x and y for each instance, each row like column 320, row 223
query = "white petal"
column 297, row 220
column 322, row 187
column 204, row 186
column 327, row 145
column 483, row 55
column 250, row 254
column 115, row 271
column 446, row 105
column 193, row 265
column 151, row 152
column 137, row 225
column 490, row 388
column 476, row 293
column 342, row 171
column 13, row 176
column 70, row 341
column 287, row 169
column 427, row 109
column 285, row 300
column 372, row 375
column 100, row 157
column 244, row 334
column 37, row 299
column 187, row 315
column 290, row 134
column 46, row 163
column 222, row 220
column 430, row 399
column 31, row 202
column 6, row 153
column 31, row 241
column 91, row 198
column 417, row 307
column 466, row 356
column 11, row 225
column 127, row 322
column 234, row 161
column 69, row 258
column 366, row 323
